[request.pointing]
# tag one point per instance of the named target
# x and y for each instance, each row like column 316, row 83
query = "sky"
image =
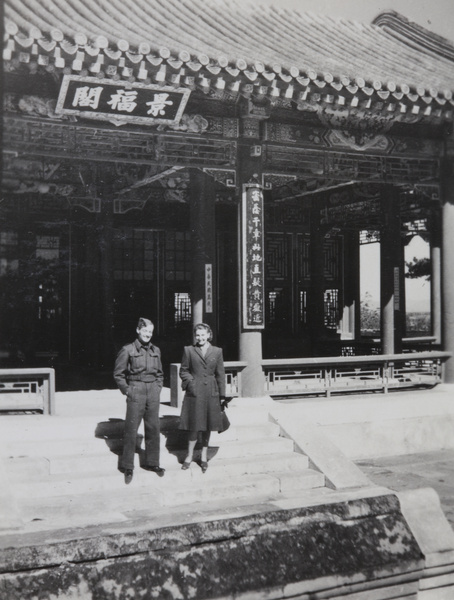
column 435, row 15
column 417, row 290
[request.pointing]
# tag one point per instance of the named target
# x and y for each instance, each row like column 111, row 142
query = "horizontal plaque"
column 109, row 100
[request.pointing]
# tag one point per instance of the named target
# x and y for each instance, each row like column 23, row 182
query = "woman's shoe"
column 204, row 466
column 185, row 466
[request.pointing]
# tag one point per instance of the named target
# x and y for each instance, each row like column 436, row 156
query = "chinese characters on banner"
column 253, row 259
column 396, row 288
column 208, row 288
column 105, row 99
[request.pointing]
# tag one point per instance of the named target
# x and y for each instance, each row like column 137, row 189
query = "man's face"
column 144, row 334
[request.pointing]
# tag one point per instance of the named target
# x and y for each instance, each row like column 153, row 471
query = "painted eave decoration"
column 227, row 49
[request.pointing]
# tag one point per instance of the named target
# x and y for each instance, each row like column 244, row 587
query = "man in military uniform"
column 139, row 376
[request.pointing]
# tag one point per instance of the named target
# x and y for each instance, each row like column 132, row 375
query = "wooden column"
column 250, row 341
column 390, row 273
column 203, row 236
column 104, row 227
column 351, row 324
column 435, row 277
column 401, row 315
column 447, row 254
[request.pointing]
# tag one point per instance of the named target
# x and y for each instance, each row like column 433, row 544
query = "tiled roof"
column 222, row 43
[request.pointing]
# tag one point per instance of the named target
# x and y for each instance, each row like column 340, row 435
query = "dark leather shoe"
column 158, row 470
column 185, row 466
column 128, row 475
column 204, row 466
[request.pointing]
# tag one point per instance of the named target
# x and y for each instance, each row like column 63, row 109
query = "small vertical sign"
column 208, row 288
column 396, row 288
column 253, row 276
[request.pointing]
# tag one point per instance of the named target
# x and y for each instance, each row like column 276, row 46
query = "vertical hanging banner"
column 253, row 276
column 208, row 288
column 396, row 288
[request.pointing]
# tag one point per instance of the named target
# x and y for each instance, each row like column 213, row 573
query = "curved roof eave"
column 285, row 45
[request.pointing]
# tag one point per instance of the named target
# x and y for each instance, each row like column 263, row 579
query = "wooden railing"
column 27, row 389
column 233, row 370
column 327, row 375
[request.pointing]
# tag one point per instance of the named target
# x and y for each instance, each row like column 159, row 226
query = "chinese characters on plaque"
column 253, row 259
column 208, row 288
column 105, row 99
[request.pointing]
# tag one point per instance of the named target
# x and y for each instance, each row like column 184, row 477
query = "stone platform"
column 282, row 512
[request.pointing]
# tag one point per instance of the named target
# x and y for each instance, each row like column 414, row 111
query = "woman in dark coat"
column 203, row 380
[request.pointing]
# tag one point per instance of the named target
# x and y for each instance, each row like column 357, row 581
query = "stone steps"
column 80, row 499
column 67, row 436
column 90, row 499
column 65, row 470
column 27, row 468
column 147, row 504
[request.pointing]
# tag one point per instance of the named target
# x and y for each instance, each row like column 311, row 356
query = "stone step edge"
column 217, row 470
column 187, row 494
column 267, row 429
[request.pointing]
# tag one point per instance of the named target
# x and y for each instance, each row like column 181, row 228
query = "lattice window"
column 277, row 257
column 178, row 256
column 272, row 306
column 48, row 247
column 332, row 259
column 303, row 307
column 49, row 301
column 183, row 310
column 304, row 263
column 9, row 241
column 369, row 236
column 331, row 308
column 135, row 254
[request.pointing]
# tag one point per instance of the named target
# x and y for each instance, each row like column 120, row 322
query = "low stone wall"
column 357, row 549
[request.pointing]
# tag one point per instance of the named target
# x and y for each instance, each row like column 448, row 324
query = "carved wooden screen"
column 333, row 292
column 152, row 276
column 278, row 269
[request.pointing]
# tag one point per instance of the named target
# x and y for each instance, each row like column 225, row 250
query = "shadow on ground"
column 112, row 431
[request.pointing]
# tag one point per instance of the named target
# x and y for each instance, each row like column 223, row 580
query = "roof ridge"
column 413, row 34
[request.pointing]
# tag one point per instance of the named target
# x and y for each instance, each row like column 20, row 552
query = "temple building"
column 222, row 162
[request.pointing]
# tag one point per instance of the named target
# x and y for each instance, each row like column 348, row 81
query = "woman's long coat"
column 203, row 380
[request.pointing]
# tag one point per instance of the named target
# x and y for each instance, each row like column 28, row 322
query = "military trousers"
column 142, row 402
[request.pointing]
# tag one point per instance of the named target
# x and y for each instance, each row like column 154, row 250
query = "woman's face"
column 201, row 336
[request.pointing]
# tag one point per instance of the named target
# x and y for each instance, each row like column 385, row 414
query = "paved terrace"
column 26, row 437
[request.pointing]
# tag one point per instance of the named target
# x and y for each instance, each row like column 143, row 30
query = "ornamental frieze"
column 226, row 127
column 226, row 177
column 71, row 141
column 355, row 118
column 32, row 106
column 276, row 180
column 359, row 141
